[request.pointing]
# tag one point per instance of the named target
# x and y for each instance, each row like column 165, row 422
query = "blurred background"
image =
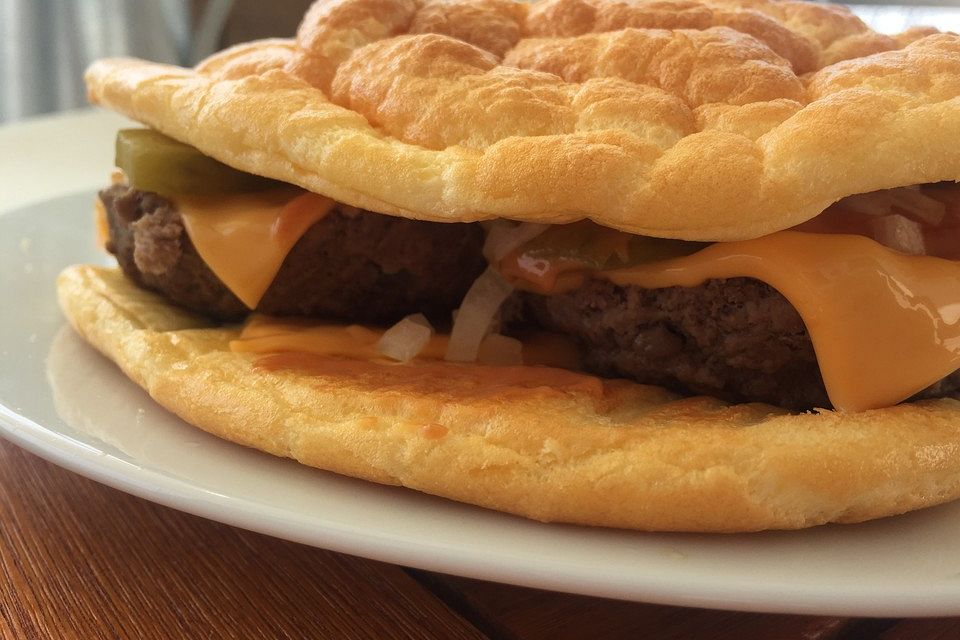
column 46, row 44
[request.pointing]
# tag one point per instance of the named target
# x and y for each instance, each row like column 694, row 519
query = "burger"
column 686, row 265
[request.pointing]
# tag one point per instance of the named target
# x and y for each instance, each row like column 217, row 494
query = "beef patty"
column 737, row 339
column 351, row 265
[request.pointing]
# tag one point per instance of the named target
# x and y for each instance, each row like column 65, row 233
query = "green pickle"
column 644, row 249
column 154, row 162
column 597, row 248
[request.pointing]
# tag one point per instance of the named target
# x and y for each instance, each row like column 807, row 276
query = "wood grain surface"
column 80, row 560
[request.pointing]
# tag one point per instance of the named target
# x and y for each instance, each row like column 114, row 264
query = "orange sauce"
column 263, row 334
column 542, row 275
column 433, row 431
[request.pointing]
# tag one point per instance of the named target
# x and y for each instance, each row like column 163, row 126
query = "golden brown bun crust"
column 699, row 119
column 557, row 446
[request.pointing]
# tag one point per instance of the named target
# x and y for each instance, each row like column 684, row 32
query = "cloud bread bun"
column 697, row 119
column 548, row 444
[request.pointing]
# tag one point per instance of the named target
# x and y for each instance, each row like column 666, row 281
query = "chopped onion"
column 501, row 351
column 910, row 201
column 405, row 340
column 875, row 203
column 919, row 206
column 476, row 315
column 504, row 237
column 494, row 326
column 899, row 233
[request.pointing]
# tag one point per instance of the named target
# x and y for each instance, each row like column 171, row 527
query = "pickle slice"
column 644, row 249
column 583, row 243
column 154, row 162
column 590, row 246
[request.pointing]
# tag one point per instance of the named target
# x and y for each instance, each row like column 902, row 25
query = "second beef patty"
column 738, row 339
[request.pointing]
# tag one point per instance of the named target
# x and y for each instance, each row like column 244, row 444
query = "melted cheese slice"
column 884, row 325
column 245, row 238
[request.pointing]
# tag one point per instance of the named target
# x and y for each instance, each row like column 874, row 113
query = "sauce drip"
column 263, row 334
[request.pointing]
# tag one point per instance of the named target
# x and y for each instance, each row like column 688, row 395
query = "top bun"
column 693, row 119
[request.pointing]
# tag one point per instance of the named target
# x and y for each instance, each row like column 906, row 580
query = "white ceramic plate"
column 62, row 400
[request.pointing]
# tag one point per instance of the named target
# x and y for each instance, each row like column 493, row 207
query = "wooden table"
column 81, row 560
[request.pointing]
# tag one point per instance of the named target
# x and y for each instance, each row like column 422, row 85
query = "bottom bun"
column 543, row 443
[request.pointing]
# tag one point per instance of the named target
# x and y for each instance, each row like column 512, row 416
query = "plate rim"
column 868, row 601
